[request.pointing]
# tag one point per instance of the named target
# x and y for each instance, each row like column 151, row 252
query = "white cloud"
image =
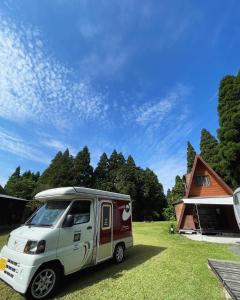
column 107, row 60
column 164, row 126
column 13, row 144
column 152, row 113
column 58, row 145
column 35, row 87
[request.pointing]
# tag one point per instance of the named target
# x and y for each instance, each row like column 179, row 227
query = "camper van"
column 236, row 205
column 75, row 228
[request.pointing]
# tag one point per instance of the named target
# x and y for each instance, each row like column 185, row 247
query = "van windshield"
column 48, row 214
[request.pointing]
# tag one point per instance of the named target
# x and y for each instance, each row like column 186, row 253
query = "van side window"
column 106, row 217
column 81, row 212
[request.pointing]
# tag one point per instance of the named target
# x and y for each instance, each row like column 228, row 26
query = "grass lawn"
column 160, row 266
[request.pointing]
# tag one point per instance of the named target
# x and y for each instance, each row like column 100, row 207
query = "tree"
column 174, row 195
column 83, row 171
column 111, row 174
column 101, row 174
column 116, row 161
column 178, row 191
column 22, row 186
column 59, row 173
column 28, row 185
column 126, row 178
column 191, row 153
column 169, row 211
column 209, row 147
column 12, row 184
column 169, row 196
column 150, row 196
column 228, row 132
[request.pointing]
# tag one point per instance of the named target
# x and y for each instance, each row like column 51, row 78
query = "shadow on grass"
column 134, row 257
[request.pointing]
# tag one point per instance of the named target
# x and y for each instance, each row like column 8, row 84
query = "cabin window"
column 202, row 180
column 81, row 212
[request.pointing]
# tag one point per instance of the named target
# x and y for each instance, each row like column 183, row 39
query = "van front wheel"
column 44, row 283
column 118, row 255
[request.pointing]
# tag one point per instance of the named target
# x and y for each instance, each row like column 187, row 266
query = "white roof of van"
column 65, row 193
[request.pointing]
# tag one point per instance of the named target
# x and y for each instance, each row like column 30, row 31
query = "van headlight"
column 35, row 247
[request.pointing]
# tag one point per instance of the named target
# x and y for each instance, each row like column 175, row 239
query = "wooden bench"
column 229, row 274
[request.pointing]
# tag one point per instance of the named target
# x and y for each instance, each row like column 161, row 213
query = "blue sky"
column 139, row 77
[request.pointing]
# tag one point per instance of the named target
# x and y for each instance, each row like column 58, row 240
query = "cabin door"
column 105, row 236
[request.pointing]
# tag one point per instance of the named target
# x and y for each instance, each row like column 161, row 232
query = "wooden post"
column 198, row 218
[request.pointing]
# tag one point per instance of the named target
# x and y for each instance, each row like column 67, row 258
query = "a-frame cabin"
column 208, row 204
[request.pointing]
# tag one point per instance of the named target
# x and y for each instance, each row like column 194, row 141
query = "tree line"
column 114, row 173
column 221, row 152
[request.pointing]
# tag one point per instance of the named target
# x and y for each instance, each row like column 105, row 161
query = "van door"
column 75, row 245
column 105, row 236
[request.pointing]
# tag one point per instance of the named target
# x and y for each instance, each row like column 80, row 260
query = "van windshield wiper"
column 39, row 225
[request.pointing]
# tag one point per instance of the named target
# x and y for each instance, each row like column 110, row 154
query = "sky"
column 140, row 77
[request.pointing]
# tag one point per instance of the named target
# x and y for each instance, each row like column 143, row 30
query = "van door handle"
column 89, row 227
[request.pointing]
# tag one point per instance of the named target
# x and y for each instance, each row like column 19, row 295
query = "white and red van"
column 75, row 228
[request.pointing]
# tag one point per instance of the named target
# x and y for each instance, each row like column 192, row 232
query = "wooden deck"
column 229, row 274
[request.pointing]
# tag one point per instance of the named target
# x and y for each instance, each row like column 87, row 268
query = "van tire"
column 50, row 270
column 119, row 253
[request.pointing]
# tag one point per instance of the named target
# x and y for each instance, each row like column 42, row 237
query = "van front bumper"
column 16, row 274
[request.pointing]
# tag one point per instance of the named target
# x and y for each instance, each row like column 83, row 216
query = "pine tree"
column 27, row 185
column 169, row 211
column 130, row 161
column 150, row 196
column 191, row 153
column 229, row 133
column 174, row 195
column 116, row 161
column 178, row 191
column 126, row 178
column 64, row 173
column 209, row 148
column 83, row 171
column 22, row 186
column 101, row 174
column 12, row 184
column 46, row 180
column 169, row 196
column 59, row 173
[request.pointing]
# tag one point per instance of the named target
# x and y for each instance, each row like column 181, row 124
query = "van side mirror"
column 69, row 221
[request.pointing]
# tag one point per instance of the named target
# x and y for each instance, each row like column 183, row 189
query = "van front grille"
column 12, row 268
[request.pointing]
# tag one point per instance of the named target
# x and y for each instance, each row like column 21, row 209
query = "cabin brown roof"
column 211, row 171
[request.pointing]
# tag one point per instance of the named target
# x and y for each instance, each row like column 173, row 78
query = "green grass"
column 160, row 266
